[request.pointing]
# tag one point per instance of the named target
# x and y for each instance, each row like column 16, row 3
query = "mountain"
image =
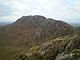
column 4, row 23
column 75, row 24
column 38, row 38
column 34, row 28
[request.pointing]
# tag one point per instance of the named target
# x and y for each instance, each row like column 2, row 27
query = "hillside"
column 38, row 38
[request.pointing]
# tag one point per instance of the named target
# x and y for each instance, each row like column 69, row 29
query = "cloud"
column 77, row 6
column 47, row 8
column 4, row 9
column 57, row 9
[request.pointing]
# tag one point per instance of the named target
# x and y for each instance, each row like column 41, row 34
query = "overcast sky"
column 66, row 10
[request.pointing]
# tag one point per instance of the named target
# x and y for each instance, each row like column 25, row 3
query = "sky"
column 65, row 10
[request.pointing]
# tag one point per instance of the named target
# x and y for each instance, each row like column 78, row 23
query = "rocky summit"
column 45, row 26
column 39, row 38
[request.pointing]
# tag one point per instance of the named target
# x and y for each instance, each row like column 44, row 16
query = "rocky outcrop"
column 71, row 51
column 60, row 48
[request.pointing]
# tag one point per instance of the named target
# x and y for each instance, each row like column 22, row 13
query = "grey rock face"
column 45, row 26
